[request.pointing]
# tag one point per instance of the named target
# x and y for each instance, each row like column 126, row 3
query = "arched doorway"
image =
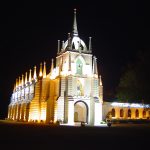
column 80, row 112
column 129, row 113
column 113, row 112
column 121, row 113
column 137, row 113
column 144, row 114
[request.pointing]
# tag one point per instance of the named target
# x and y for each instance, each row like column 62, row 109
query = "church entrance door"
column 80, row 112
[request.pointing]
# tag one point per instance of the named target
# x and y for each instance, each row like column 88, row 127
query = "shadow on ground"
column 35, row 136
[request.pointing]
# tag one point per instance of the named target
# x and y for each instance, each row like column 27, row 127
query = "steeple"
column 100, row 81
column 40, row 73
column 75, row 30
column 16, row 83
column 69, row 41
column 44, row 70
column 35, row 76
column 22, row 80
column 90, row 44
column 30, row 79
column 58, row 48
column 26, row 80
column 62, row 46
column 52, row 66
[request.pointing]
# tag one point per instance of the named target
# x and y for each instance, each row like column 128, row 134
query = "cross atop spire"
column 75, row 30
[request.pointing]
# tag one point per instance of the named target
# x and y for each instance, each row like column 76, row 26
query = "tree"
column 134, row 84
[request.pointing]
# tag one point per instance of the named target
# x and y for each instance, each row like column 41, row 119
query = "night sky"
column 29, row 32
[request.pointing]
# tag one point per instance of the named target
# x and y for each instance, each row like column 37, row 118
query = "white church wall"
column 87, row 87
column 98, row 113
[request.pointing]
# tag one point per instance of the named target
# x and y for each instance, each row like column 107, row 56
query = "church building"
column 71, row 92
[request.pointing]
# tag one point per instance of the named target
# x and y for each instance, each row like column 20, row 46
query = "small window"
column 113, row 112
column 79, row 67
column 144, row 114
column 121, row 112
column 129, row 113
column 137, row 113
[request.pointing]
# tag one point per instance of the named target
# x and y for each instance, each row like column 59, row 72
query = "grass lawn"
column 39, row 136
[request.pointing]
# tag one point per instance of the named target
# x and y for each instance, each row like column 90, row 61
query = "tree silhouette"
column 134, row 84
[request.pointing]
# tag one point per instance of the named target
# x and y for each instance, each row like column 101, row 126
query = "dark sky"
column 29, row 32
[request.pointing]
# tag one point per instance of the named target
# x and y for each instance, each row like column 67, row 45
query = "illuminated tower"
column 79, row 97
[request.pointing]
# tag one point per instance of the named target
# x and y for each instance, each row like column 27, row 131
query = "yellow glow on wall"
column 43, row 111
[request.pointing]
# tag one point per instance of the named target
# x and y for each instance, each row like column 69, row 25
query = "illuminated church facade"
column 71, row 92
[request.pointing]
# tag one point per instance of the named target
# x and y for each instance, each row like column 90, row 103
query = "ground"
column 15, row 135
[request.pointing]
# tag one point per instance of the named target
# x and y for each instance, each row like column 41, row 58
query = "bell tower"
column 78, row 77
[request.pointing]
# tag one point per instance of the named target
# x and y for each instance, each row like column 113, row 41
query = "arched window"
column 79, row 66
column 144, row 114
column 113, row 112
column 137, row 113
column 129, row 113
column 121, row 112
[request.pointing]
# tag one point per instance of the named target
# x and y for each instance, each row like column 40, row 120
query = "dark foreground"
column 33, row 136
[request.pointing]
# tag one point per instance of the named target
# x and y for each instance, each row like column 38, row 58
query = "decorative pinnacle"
column 40, row 73
column 30, row 78
column 75, row 30
column 35, row 76
column 52, row 66
column 100, row 80
column 90, row 44
column 44, row 70
column 58, row 48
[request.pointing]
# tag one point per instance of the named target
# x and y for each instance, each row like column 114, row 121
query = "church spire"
column 30, row 78
column 62, row 46
column 22, row 80
column 100, row 81
column 44, row 70
column 40, row 73
column 16, row 83
column 26, row 80
column 69, row 41
column 52, row 66
column 35, row 76
column 75, row 30
column 58, row 48
column 90, row 44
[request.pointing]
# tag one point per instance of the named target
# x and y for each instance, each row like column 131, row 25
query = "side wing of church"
column 71, row 92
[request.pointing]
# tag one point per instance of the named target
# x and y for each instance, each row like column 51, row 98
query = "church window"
column 113, row 112
column 129, row 113
column 79, row 67
column 137, row 113
column 121, row 112
column 144, row 114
